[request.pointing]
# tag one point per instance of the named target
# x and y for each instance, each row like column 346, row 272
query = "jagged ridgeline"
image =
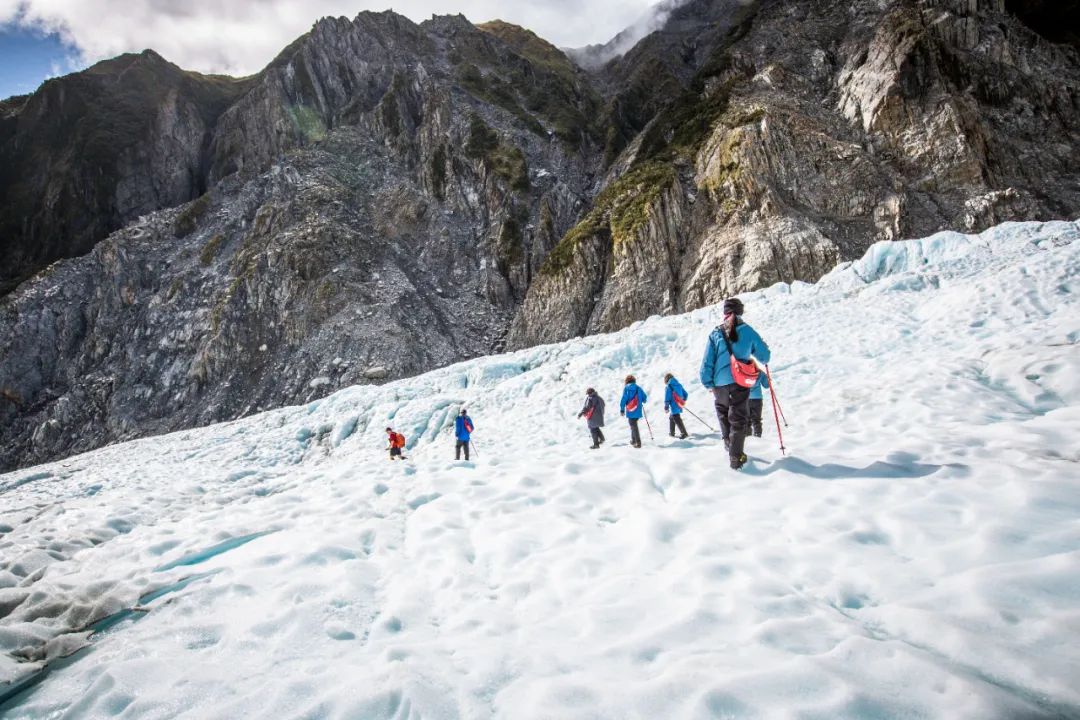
column 387, row 197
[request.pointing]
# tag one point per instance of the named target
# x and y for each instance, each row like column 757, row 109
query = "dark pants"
column 756, row 406
column 733, row 412
column 635, row 434
column 597, row 436
column 395, row 453
column 462, row 444
column 675, row 421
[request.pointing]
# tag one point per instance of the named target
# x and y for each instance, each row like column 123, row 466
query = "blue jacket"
column 716, row 365
column 628, row 395
column 463, row 433
column 756, row 392
column 674, row 389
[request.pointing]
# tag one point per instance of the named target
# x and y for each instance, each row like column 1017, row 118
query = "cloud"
column 239, row 37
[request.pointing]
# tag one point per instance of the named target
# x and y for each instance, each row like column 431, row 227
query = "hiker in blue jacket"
column 632, row 408
column 463, row 431
column 674, row 401
column 733, row 338
column 757, row 403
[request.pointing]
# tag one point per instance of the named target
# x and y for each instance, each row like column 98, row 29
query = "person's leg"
column 600, row 434
column 671, row 425
column 720, row 396
column 457, row 450
column 465, row 444
column 756, row 408
column 681, row 425
column 739, row 419
column 595, row 432
column 635, row 434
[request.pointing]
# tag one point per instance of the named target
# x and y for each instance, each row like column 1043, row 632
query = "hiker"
column 728, row 370
column 463, row 428
column 757, row 403
column 674, row 401
column 397, row 444
column 632, row 408
column 593, row 412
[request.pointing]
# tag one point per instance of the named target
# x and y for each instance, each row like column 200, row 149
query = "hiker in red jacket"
column 397, row 444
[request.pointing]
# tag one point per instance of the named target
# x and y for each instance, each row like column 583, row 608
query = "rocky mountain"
column 387, row 197
column 808, row 132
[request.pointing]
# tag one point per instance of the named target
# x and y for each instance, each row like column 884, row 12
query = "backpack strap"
column 731, row 351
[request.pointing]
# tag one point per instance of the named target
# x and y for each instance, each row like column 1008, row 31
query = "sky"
column 40, row 39
column 28, row 57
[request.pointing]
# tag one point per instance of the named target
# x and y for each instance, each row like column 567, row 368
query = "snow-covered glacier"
column 916, row 554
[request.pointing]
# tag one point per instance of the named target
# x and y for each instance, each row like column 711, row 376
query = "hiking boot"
column 595, row 446
column 757, row 433
column 727, row 444
column 683, row 436
column 738, row 463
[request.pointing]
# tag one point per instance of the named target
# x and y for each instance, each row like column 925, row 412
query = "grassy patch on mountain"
column 510, row 248
column 189, row 217
column 622, row 209
column 502, row 158
column 210, row 250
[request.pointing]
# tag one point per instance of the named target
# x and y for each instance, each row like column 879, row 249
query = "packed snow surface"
column 915, row 555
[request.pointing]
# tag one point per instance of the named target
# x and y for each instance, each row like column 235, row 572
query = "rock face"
column 87, row 154
column 377, row 203
column 811, row 131
column 388, row 197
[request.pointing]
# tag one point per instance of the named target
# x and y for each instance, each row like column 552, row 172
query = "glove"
column 667, row 408
column 623, row 413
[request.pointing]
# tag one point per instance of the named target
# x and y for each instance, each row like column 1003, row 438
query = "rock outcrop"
column 387, row 197
column 813, row 130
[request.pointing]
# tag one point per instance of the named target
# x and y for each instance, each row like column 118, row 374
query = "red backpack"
column 745, row 373
column 397, row 440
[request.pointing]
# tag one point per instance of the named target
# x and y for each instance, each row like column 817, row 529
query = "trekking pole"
column 699, row 419
column 473, row 446
column 782, row 416
column 776, row 414
column 775, row 401
column 646, row 416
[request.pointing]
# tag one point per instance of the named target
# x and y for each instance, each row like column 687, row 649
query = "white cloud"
column 239, row 37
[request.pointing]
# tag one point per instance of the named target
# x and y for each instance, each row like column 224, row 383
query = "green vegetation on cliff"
column 503, row 159
column 620, row 211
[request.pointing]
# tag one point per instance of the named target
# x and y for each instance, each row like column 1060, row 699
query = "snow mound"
column 916, row 554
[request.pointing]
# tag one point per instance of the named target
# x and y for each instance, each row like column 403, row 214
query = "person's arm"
column 761, row 351
column 622, row 403
column 667, row 399
column 708, row 365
